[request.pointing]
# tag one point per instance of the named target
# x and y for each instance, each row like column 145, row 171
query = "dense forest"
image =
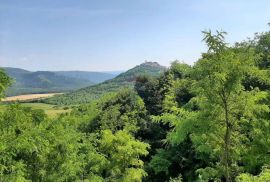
column 206, row 122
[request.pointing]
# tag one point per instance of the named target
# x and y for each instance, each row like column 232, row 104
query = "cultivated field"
column 28, row 97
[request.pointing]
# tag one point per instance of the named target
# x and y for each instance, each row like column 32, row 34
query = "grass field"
column 51, row 110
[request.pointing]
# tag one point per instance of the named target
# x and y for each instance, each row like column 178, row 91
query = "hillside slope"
column 95, row 77
column 26, row 82
column 125, row 79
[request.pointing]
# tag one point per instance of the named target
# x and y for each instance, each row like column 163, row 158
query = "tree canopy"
column 206, row 122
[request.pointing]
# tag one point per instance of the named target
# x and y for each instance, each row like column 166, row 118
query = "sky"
column 106, row 35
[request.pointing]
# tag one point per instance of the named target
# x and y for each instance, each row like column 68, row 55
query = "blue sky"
column 118, row 34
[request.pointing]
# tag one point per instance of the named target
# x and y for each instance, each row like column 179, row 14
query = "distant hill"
column 26, row 82
column 95, row 77
column 114, row 72
column 125, row 79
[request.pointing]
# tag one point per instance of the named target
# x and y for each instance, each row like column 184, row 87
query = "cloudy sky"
column 105, row 35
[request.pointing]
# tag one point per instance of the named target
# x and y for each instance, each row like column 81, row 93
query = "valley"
column 39, row 82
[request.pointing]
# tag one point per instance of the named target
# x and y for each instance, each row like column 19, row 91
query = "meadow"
column 51, row 110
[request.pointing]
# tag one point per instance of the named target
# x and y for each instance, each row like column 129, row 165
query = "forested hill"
column 147, row 68
column 26, row 82
column 125, row 79
column 95, row 77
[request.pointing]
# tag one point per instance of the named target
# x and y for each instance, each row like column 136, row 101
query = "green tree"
column 5, row 81
column 22, row 145
column 112, row 126
column 263, row 176
column 215, row 125
column 222, row 98
column 124, row 110
column 123, row 154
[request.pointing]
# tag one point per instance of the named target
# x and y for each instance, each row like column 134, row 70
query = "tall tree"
column 215, row 125
column 5, row 81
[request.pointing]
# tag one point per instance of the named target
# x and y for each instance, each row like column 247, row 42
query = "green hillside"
column 95, row 77
column 25, row 82
column 125, row 79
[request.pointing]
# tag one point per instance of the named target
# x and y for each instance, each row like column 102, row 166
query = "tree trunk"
column 226, row 139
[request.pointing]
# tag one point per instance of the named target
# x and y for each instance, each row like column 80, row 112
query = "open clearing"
column 51, row 110
column 28, row 97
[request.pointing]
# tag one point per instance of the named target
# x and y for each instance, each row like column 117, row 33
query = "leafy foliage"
column 122, row 152
column 263, row 176
column 5, row 81
column 207, row 122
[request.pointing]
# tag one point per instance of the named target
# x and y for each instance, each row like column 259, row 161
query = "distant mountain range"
column 26, row 82
column 94, row 77
column 125, row 79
